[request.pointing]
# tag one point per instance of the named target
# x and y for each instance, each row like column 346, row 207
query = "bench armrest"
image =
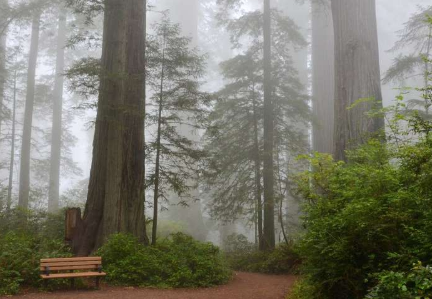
column 47, row 270
column 100, row 268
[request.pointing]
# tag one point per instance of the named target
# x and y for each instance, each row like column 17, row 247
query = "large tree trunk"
column 24, row 185
column 3, row 71
column 56, row 142
column 357, row 73
column 268, row 172
column 115, row 200
column 322, row 78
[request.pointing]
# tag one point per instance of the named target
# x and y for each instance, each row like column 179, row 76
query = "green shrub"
column 302, row 289
column 176, row 262
column 20, row 255
column 243, row 256
column 414, row 284
column 367, row 216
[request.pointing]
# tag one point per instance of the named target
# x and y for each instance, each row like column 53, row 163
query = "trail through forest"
column 244, row 285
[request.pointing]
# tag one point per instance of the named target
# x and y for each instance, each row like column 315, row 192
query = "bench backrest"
column 73, row 263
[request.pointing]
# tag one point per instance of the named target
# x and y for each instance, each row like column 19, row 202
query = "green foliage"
column 243, row 256
column 174, row 74
column 176, row 262
column 234, row 137
column 302, row 289
column 368, row 216
column 167, row 228
column 415, row 65
column 414, row 284
column 22, row 248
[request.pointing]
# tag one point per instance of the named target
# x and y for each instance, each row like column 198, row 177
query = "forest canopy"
column 178, row 141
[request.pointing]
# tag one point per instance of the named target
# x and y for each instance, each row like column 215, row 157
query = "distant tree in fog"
column 236, row 136
column 417, row 35
column 174, row 73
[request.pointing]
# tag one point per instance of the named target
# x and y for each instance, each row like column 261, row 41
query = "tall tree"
column 236, row 135
column 115, row 200
column 56, row 140
column 357, row 73
column 417, row 34
column 24, row 184
column 12, row 153
column 3, row 9
column 174, row 71
column 322, row 77
column 187, row 13
column 268, row 175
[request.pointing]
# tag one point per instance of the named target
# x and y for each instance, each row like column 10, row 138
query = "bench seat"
column 72, row 275
column 72, row 267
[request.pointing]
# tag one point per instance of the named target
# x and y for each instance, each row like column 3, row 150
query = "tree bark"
column 116, row 188
column 3, row 72
column 357, row 73
column 257, row 174
column 56, row 141
column 24, row 186
column 12, row 155
column 158, row 154
column 268, row 172
column 322, row 78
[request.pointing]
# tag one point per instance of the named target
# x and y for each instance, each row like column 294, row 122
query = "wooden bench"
column 72, row 268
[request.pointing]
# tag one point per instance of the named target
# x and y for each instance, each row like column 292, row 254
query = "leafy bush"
column 414, row 284
column 20, row 254
column 367, row 216
column 176, row 262
column 243, row 256
column 302, row 289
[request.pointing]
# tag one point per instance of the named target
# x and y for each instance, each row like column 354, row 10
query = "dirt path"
column 243, row 286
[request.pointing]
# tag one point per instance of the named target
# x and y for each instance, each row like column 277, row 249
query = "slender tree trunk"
column 158, row 154
column 116, row 188
column 24, row 185
column 12, row 155
column 269, row 226
column 322, row 78
column 357, row 73
column 186, row 13
column 257, row 174
column 3, row 72
column 56, row 142
column 427, row 72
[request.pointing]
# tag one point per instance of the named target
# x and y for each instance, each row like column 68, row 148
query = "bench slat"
column 58, row 264
column 72, row 275
column 60, row 268
column 71, row 259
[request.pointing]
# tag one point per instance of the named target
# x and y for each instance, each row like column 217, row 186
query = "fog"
column 200, row 192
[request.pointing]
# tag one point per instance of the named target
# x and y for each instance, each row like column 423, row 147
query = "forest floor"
column 243, row 286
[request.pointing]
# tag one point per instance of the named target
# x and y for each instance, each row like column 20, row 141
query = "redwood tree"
column 115, row 200
column 357, row 73
column 24, row 185
column 269, row 226
column 3, row 9
column 322, row 77
column 54, row 183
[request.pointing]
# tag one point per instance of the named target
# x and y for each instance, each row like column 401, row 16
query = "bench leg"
column 45, row 283
column 97, row 282
column 72, row 283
